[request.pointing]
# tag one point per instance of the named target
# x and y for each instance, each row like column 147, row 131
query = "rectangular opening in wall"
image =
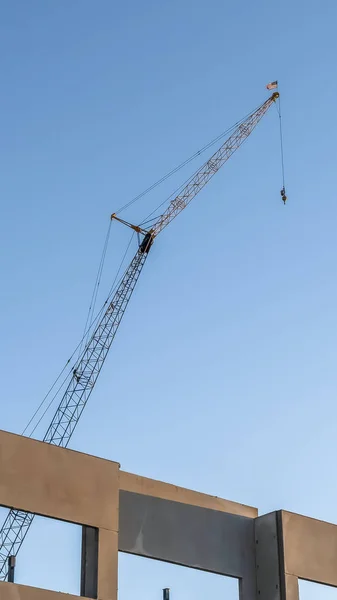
column 50, row 556
column 145, row 579
column 315, row 591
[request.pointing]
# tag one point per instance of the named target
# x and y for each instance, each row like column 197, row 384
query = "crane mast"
column 90, row 363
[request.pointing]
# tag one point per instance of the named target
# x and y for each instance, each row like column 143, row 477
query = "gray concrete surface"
column 189, row 535
column 268, row 567
column 137, row 515
column 310, row 548
column 55, row 482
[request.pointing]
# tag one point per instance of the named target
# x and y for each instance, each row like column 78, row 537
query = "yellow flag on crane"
column 272, row 86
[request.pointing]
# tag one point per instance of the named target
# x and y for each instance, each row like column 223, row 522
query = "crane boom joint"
column 136, row 228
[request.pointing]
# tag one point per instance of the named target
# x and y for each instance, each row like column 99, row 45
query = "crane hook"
column 283, row 195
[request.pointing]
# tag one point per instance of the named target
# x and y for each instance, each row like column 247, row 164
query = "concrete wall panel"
column 59, row 483
column 150, row 487
column 310, row 548
column 189, row 535
column 11, row 591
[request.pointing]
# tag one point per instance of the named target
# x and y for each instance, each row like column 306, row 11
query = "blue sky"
column 222, row 377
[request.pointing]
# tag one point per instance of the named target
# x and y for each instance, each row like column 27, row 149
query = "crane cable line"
column 135, row 199
column 283, row 190
column 278, row 108
column 175, row 192
column 186, row 182
column 93, row 300
column 178, row 189
column 89, row 365
column 86, row 333
column 48, row 406
column 90, row 321
column 182, row 165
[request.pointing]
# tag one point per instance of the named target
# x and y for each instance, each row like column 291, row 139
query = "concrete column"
column 268, row 559
column 291, row 588
column 107, row 564
column 89, row 563
column 273, row 582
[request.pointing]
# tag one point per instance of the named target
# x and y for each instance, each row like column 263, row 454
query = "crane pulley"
column 90, row 362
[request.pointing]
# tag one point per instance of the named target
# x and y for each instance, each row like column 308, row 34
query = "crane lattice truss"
column 84, row 376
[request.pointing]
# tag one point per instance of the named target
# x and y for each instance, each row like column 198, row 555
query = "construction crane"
column 89, row 365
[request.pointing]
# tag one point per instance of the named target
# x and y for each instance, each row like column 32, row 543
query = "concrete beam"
column 150, row 487
column 54, row 482
column 12, row 591
column 192, row 536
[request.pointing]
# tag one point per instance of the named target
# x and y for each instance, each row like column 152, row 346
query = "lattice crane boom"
column 88, row 367
column 75, row 397
column 212, row 166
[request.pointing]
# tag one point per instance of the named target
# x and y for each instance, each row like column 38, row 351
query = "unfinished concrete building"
column 119, row 511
